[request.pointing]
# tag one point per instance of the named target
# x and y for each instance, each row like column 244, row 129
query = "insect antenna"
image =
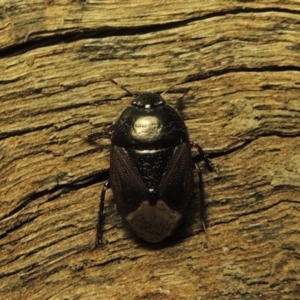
column 121, row 87
column 176, row 83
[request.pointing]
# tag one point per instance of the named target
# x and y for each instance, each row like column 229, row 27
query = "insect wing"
column 177, row 183
column 127, row 186
column 152, row 220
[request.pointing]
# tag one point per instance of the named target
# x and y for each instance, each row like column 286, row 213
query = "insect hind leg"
column 201, row 197
column 210, row 167
column 99, row 236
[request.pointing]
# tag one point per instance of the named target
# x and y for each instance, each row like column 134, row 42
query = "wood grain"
column 238, row 68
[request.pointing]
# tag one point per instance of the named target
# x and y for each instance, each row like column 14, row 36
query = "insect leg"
column 91, row 138
column 99, row 237
column 201, row 196
column 204, row 156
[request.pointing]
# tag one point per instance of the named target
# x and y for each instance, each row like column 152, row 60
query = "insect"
column 151, row 168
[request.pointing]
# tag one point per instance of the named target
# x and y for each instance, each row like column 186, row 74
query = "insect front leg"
column 93, row 137
column 99, row 237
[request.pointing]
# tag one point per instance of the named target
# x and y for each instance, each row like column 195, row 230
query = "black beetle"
column 151, row 168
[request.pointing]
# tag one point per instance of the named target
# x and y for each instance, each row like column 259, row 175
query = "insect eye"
column 161, row 102
column 148, row 100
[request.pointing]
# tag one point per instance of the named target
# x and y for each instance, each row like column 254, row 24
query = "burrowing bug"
column 151, row 168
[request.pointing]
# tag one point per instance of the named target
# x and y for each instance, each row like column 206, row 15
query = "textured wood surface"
column 239, row 64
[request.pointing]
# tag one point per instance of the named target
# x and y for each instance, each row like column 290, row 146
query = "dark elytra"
column 151, row 168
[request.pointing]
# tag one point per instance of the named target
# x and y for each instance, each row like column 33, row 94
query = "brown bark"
column 240, row 64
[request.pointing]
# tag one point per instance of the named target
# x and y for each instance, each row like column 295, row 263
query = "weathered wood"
column 239, row 62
